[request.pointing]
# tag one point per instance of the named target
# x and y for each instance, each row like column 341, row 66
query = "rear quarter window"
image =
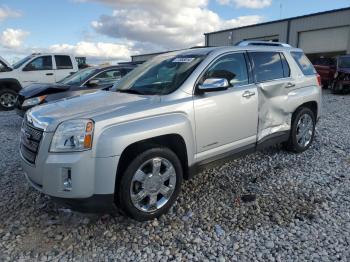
column 304, row 63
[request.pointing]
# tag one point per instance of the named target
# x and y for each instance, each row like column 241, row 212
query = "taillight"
column 319, row 80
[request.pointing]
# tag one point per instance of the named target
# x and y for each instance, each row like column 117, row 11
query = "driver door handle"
column 248, row 94
column 49, row 74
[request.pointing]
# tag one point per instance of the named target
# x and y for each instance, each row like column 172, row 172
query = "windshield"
column 19, row 63
column 160, row 76
column 344, row 62
column 78, row 77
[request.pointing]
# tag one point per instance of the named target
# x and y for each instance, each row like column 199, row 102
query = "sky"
column 113, row 30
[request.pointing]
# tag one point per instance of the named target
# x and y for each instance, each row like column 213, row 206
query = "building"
column 321, row 34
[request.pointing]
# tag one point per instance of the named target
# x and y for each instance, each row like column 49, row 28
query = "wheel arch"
column 312, row 105
column 10, row 83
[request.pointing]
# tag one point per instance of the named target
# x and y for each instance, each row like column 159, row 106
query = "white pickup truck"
column 35, row 68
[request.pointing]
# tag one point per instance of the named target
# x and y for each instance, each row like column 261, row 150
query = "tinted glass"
column 160, row 75
column 40, row 63
column 19, row 63
column 304, row 63
column 79, row 77
column 344, row 62
column 267, row 66
column 63, row 62
column 231, row 67
column 108, row 76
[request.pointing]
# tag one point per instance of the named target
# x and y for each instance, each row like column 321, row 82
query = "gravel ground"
column 272, row 205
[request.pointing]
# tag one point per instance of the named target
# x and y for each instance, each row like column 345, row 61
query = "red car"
column 326, row 68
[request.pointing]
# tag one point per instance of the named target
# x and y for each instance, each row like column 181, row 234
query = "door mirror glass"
column 214, row 84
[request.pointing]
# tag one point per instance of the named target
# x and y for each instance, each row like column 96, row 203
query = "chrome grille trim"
column 30, row 141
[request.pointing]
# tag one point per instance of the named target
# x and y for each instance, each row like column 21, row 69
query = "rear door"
column 273, row 78
column 38, row 70
column 64, row 66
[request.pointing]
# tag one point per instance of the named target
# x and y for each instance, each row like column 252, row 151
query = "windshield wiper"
column 130, row 91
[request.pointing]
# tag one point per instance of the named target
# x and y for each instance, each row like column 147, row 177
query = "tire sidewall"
column 124, row 198
column 4, row 91
column 295, row 145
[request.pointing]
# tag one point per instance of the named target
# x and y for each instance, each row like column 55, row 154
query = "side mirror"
column 93, row 82
column 213, row 85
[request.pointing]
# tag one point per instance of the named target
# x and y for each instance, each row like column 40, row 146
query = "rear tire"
column 302, row 131
column 7, row 99
column 144, row 190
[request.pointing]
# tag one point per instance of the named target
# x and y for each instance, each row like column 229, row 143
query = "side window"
column 63, row 62
column 267, row 66
column 303, row 63
column 40, row 63
column 108, row 77
column 233, row 67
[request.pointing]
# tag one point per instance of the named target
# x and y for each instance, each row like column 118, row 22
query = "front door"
column 226, row 120
column 39, row 70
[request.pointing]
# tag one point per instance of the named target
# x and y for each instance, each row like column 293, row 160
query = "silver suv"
column 167, row 119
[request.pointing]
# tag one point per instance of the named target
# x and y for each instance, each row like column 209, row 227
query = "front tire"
column 150, row 184
column 7, row 99
column 302, row 130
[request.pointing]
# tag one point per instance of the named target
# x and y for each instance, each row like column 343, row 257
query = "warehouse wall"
column 329, row 32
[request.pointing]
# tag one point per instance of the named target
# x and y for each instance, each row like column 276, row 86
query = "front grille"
column 30, row 141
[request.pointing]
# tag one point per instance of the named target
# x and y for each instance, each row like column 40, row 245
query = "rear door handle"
column 248, row 94
column 49, row 74
column 289, row 85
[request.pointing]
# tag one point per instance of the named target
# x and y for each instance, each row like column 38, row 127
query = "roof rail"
column 262, row 43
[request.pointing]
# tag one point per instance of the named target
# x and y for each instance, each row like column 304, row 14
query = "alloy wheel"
column 153, row 184
column 305, row 129
column 7, row 100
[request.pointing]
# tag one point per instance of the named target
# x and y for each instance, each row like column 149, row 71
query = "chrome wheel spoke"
column 165, row 191
column 139, row 196
column 153, row 201
column 170, row 172
column 156, row 164
column 139, row 176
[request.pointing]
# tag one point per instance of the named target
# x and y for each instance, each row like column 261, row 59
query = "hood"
column 5, row 62
column 97, row 106
column 34, row 90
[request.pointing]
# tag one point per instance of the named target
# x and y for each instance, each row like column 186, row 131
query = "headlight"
column 73, row 135
column 34, row 101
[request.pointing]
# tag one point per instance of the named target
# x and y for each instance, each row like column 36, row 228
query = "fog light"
column 66, row 179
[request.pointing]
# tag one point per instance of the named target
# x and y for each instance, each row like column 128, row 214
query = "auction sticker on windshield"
column 183, row 60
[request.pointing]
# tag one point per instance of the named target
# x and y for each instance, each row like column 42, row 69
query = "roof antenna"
column 281, row 10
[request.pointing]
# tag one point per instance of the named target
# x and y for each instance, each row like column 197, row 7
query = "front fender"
column 112, row 140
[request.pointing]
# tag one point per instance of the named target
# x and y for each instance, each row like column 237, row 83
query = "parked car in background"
column 341, row 81
column 170, row 117
column 326, row 68
column 35, row 68
column 84, row 81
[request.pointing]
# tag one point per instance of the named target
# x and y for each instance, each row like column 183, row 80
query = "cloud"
column 254, row 4
column 96, row 51
column 6, row 12
column 164, row 25
column 12, row 38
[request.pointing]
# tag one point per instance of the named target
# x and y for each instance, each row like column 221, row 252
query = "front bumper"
column 90, row 176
